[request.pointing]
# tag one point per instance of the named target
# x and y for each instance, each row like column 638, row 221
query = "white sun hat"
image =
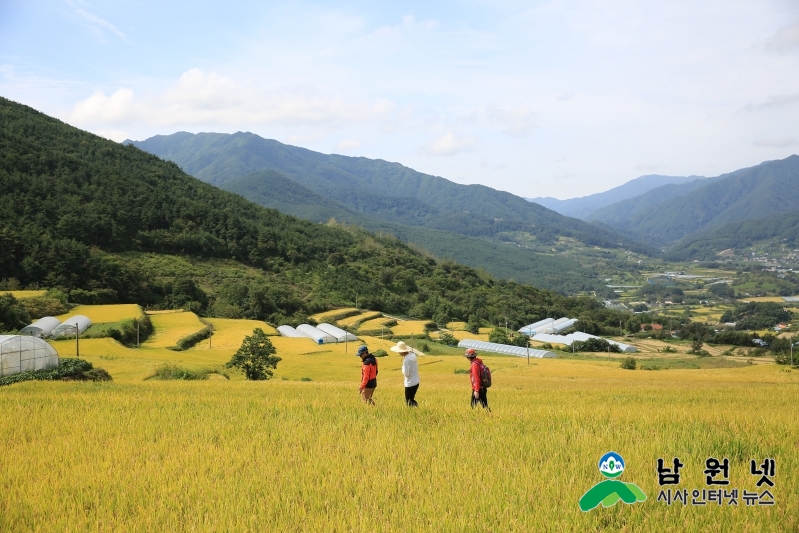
column 400, row 347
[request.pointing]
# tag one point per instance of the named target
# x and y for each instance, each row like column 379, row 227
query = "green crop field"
column 137, row 454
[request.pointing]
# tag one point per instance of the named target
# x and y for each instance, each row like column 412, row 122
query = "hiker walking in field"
column 368, row 375
column 480, row 377
column 410, row 371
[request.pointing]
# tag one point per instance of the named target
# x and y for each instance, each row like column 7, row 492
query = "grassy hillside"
column 383, row 190
column 125, row 226
column 750, row 193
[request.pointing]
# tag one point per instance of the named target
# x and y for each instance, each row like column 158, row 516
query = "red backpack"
column 485, row 376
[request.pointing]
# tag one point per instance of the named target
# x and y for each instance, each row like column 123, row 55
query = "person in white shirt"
column 410, row 370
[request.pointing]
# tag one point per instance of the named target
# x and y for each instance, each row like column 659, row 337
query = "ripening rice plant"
column 100, row 314
column 171, row 327
column 309, row 456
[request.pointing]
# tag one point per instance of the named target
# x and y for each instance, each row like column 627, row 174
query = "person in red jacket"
column 368, row 375
column 479, row 393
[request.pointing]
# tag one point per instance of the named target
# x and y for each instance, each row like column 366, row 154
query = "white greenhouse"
column 567, row 340
column 67, row 327
column 41, row 328
column 318, row 336
column 531, row 329
column 339, row 334
column 21, row 353
column 492, row 347
column 288, row 331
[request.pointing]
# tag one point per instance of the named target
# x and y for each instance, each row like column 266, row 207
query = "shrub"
column 499, row 336
column 424, row 347
column 430, row 326
column 69, row 369
column 629, row 363
column 461, row 371
column 170, row 372
column 190, row 340
column 43, row 306
column 380, row 353
column 448, row 339
column 669, row 349
column 305, row 379
column 595, row 345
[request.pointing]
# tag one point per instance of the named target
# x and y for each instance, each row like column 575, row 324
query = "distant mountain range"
column 585, row 206
column 473, row 224
column 468, row 223
column 673, row 212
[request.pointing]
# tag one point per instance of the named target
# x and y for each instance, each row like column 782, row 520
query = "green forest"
column 103, row 222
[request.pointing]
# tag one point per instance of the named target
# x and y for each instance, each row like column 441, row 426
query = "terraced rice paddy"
column 100, row 314
column 362, row 317
column 171, row 327
column 19, row 295
column 329, row 316
column 409, row 327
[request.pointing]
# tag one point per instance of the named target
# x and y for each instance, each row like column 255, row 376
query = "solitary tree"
column 255, row 357
column 696, row 346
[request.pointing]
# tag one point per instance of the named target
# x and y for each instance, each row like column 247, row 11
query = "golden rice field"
column 171, row 327
column 362, row 317
column 19, row 295
column 286, row 455
column 327, row 316
column 229, row 332
column 376, row 324
column 409, row 327
column 460, row 335
column 100, row 314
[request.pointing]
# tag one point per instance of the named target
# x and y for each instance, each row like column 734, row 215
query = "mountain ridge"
column 583, row 207
column 385, row 190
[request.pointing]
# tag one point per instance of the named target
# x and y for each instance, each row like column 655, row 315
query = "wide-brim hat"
column 400, row 347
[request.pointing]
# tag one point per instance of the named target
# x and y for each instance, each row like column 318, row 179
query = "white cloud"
column 212, row 100
column 513, row 121
column 448, row 144
column 780, row 100
column 409, row 23
column 114, row 135
column 779, row 142
column 118, row 108
column 97, row 24
column 785, row 40
column 346, row 145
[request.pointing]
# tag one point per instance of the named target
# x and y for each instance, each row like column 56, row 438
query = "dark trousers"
column 483, row 398
column 410, row 395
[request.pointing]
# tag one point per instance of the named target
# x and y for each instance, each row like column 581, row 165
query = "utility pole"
column 137, row 332
column 77, row 340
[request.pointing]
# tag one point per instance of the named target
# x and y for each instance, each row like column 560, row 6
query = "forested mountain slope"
column 380, row 189
column 750, row 193
column 564, row 274
column 73, row 202
column 782, row 229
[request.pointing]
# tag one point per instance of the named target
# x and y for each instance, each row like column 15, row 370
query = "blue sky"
column 540, row 98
